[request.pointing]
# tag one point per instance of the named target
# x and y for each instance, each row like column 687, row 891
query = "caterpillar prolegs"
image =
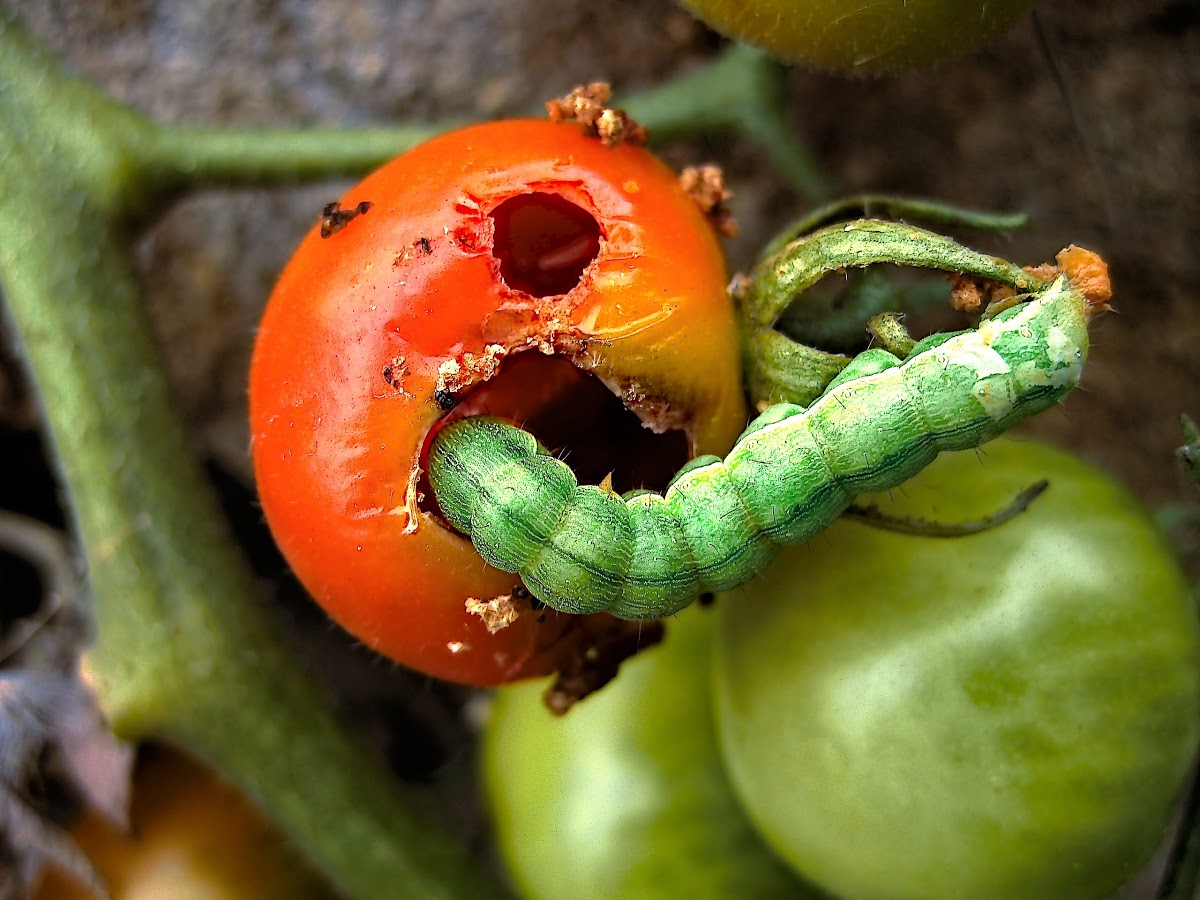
column 583, row 549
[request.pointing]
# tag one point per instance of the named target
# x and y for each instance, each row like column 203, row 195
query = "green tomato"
column 1005, row 715
column 863, row 37
column 625, row 795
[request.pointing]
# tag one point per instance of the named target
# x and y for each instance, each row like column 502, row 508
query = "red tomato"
column 491, row 267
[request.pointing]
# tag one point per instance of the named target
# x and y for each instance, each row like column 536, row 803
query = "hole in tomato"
column 578, row 418
column 543, row 243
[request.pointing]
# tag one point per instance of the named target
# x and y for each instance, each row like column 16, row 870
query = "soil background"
column 1092, row 130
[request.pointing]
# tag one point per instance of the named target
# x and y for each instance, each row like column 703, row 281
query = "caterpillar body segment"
column 791, row 473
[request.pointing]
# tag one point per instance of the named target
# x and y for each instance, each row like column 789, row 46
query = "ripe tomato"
column 192, row 838
column 625, row 796
column 862, row 37
column 519, row 268
column 1005, row 715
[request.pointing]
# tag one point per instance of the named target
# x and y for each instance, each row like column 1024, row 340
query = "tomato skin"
column 412, row 285
column 625, row 796
column 862, row 37
column 191, row 836
column 1009, row 714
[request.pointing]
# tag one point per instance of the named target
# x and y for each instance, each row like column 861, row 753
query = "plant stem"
column 741, row 91
column 203, row 156
column 780, row 369
column 887, row 206
column 780, row 278
column 186, row 650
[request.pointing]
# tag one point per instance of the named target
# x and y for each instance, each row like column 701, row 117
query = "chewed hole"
column 577, row 418
column 543, row 243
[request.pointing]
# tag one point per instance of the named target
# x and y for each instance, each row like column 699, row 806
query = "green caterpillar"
column 791, row 473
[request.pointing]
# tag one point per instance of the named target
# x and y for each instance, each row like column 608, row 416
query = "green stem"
column 185, row 648
column 204, row 156
column 779, row 279
column 779, row 369
column 891, row 334
column 886, row 206
column 741, row 91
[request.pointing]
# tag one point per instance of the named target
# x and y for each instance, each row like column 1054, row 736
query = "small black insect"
column 444, row 398
column 424, row 245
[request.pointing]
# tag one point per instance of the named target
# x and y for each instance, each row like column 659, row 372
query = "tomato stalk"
column 779, row 369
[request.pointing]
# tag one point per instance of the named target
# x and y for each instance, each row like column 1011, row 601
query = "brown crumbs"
column 970, row 294
column 499, row 612
column 706, row 185
column 467, row 370
column 588, row 105
column 966, row 295
column 394, row 372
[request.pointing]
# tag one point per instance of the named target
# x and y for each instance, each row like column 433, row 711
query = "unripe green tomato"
column 625, row 797
column 862, row 37
column 1005, row 715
